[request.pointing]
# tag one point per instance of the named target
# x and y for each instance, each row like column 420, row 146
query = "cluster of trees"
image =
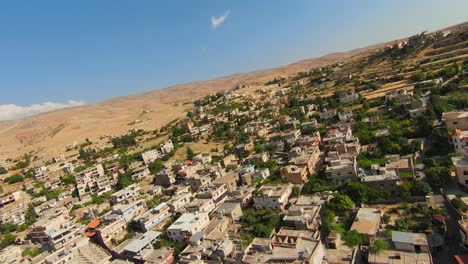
column 23, row 163
column 15, row 178
column 361, row 193
column 125, row 140
column 3, row 170
column 155, row 166
column 124, row 180
column 7, row 239
column 208, row 99
column 416, row 188
column 437, row 176
column 260, row 222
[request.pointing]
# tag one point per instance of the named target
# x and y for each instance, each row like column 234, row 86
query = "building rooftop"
column 409, row 238
column 274, row 190
column 454, row 114
column 138, row 244
column 401, row 257
column 367, row 221
column 310, row 200
column 460, row 161
column 227, row 207
column 282, row 253
column 390, row 175
column 187, row 219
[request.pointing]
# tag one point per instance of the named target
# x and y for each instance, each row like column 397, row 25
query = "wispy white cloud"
column 12, row 111
column 217, row 21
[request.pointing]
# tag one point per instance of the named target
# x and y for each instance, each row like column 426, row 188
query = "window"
column 465, row 172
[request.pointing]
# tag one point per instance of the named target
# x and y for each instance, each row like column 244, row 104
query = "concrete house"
column 412, row 242
column 187, row 225
column 341, row 167
column 367, row 222
column 461, row 169
column 125, row 195
column 154, row 217
column 274, row 197
column 456, row 119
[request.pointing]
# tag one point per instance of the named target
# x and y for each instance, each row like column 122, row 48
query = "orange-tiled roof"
column 94, row 223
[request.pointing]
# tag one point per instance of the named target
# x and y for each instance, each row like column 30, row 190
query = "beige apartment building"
column 187, row 225
column 456, row 119
column 273, row 197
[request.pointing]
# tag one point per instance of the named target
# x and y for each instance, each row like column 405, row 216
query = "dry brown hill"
column 47, row 134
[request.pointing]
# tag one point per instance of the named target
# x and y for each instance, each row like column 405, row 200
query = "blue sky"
column 55, row 51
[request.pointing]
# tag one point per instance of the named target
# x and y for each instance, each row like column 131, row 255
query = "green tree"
column 260, row 222
column 353, row 238
column 124, row 180
column 164, row 242
column 361, row 193
column 31, row 252
column 457, row 203
column 378, row 246
column 430, row 162
column 340, row 203
column 258, row 148
column 15, row 178
column 7, row 240
column 437, row 176
column 3, row 170
column 156, row 166
column 97, row 199
column 405, row 189
column 190, row 153
column 296, row 190
column 420, row 188
column 68, row 179
column 417, row 77
column 8, row 227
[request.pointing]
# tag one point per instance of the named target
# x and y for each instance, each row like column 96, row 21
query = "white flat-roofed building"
column 154, row 217
column 461, row 169
column 187, row 225
column 140, row 173
column 274, row 197
column 92, row 181
column 460, row 141
column 179, row 201
column 201, row 205
column 135, row 250
column 53, row 232
column 129, row 211
column 125, row 195
column 341, row 168
column 217, row 193
column 150, row 156
column 167, row 146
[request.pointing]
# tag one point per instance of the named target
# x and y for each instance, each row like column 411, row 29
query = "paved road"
column 453, row 239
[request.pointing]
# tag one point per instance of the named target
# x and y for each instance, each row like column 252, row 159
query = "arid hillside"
column 48, row 134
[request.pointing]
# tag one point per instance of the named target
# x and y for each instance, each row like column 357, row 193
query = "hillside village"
column 362, row 161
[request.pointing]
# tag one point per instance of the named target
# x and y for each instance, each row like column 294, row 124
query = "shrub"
column 14, row 179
